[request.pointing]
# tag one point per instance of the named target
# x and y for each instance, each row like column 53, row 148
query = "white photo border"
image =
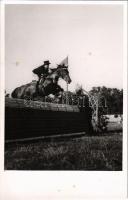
column 60, row 184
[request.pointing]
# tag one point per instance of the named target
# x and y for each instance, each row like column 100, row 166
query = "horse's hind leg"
column 26, row 94
column 26, row 97
column 30, row 93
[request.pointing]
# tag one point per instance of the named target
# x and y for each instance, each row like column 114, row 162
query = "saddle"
column 43, row 76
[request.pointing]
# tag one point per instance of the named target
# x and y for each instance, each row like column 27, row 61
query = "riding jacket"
column 41, row 70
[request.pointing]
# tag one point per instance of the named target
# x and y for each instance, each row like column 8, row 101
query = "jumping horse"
column 43, row 87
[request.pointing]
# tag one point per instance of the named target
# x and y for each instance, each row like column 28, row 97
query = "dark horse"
column 43, row 87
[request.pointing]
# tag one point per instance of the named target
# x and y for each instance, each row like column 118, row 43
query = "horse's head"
column 64, row 73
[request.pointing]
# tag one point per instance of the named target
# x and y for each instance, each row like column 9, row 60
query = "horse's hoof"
column 27, row 98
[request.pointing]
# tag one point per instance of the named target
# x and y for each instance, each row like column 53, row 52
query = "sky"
column 90, row 35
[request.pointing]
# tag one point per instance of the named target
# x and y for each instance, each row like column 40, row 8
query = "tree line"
column 109, row 98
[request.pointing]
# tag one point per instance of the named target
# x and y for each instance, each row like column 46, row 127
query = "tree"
column 113, row 98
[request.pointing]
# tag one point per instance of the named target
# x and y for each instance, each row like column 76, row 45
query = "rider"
column 42, row 71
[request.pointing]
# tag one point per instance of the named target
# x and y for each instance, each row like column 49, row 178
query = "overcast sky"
column 91, row 36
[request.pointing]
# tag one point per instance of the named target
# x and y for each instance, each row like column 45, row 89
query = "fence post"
column 67, row 102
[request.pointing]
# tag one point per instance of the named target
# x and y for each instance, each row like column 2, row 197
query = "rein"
column 54, row 76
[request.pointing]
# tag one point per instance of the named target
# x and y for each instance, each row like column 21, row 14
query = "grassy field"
column 102, row 152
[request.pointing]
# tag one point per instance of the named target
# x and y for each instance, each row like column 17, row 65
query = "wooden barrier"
column 24, row 119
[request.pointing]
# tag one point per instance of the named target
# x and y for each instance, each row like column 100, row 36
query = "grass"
column 86, row 153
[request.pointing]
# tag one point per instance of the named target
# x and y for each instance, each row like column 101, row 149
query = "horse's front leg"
column 59, row 94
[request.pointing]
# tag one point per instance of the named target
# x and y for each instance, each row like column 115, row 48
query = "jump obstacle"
column 28, row 119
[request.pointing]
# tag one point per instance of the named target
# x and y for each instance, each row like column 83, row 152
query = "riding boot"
column 37, row 86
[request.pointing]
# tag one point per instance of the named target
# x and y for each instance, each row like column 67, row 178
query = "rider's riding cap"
column 47, row 62
column 41, row 69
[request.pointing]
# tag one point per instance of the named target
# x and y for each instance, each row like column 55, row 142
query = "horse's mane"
column 53, row 70
column 58, row 68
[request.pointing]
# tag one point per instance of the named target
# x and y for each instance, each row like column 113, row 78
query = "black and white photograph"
column 64, row 87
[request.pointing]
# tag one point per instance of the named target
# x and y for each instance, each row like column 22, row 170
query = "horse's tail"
column 14, row 93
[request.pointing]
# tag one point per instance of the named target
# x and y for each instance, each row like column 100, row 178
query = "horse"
column 43, row 87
